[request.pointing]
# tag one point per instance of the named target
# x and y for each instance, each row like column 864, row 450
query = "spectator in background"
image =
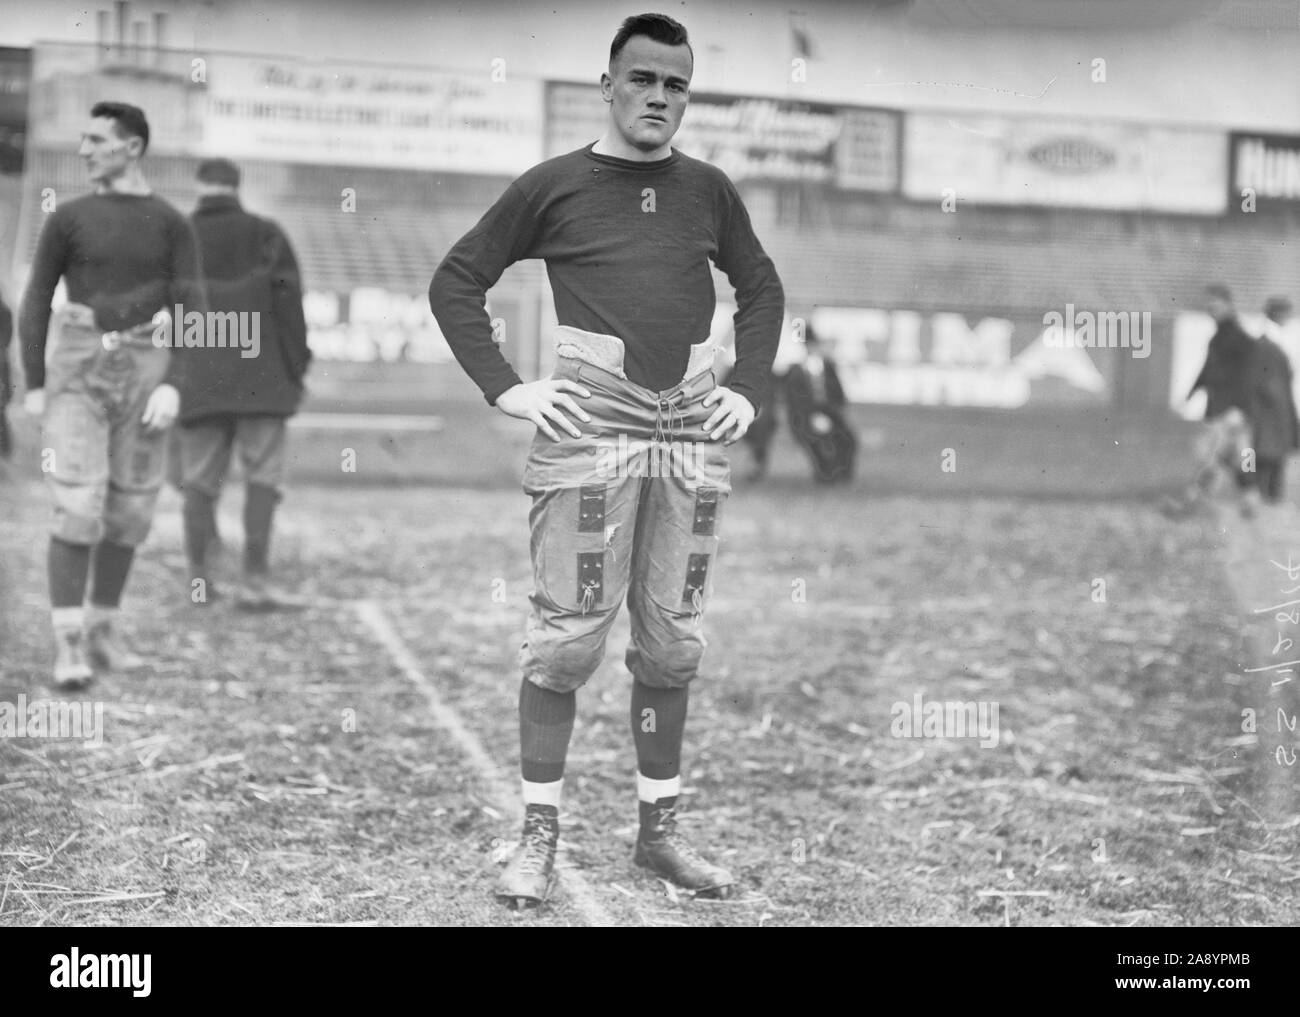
column 1272, row 412
column 240, row 400
column 6, row 379
column 815, row 399
column 1226, row 377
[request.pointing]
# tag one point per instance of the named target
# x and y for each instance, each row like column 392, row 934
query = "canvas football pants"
column 631, row 508
column 103, row 468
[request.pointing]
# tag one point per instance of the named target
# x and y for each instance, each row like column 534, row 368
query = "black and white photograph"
column 724, row 465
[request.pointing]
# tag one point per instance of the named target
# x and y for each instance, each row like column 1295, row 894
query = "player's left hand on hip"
column 162, row 408
column 732, row 417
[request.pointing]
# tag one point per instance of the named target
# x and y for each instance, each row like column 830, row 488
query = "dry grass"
column 235, row 787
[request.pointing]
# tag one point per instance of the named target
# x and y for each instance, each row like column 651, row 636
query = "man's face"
column 1220, row 309
column 107, row 154
column 647, row 88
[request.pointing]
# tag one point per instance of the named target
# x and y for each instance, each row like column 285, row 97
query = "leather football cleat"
column 71, row 669
column 106, row 650
column 665, row 852
column 528, row 876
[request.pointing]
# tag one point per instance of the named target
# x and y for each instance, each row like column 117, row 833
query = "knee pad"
column 128, row 516
column 76, row 527
column 670, row 664
column 563, row 652
column 77, row 516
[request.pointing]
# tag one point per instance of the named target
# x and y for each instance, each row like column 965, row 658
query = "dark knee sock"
column 545, row 726
column 259, row 511
column 199, row 516
column 658, row 721
column 68, row 565
column 112, row 565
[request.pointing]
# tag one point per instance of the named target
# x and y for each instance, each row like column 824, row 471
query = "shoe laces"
column 687, row 853
column 538, row 843
column 665, row 827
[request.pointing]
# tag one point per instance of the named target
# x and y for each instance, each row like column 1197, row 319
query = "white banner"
column 1084, row 164
column 324, row 112
column 284, row 109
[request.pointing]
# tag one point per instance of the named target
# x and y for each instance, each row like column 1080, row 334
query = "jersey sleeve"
column 34, row 311
column 458, row 292
column 760, row 299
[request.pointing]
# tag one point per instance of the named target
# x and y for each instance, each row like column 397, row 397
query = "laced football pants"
column 630, row 508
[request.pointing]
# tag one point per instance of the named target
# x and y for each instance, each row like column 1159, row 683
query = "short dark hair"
column 218, row 171
column 129, row 119
column 1219, row 290
column 659, row 27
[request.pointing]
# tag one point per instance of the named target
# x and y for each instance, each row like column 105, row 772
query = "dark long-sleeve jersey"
column 627, row 247
column 124, row 255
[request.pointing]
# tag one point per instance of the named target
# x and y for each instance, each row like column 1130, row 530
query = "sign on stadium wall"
column 753, row 138
column 1062, row 162
column 325, row 112
column 286, row 109
column 1268, row 165
column 905, row 357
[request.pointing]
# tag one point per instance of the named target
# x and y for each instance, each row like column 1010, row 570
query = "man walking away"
column 245, row 389
column 1225, row 434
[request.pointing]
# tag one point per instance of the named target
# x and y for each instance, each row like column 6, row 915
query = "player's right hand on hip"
column 541, row 402
column 34, row 402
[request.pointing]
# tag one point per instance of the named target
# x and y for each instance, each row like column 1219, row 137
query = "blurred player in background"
column 1275, row 427
column 244, row 394
column 627, row 227
column 126, row 256
column 1226, row 434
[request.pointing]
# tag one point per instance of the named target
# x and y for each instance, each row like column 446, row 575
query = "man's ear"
column 135, row 147
column 607, row 87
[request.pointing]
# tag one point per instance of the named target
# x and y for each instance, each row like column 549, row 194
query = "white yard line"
column 503, row 794
column 1261, row 560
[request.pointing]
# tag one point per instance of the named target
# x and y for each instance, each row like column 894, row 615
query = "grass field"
column 357, row 763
